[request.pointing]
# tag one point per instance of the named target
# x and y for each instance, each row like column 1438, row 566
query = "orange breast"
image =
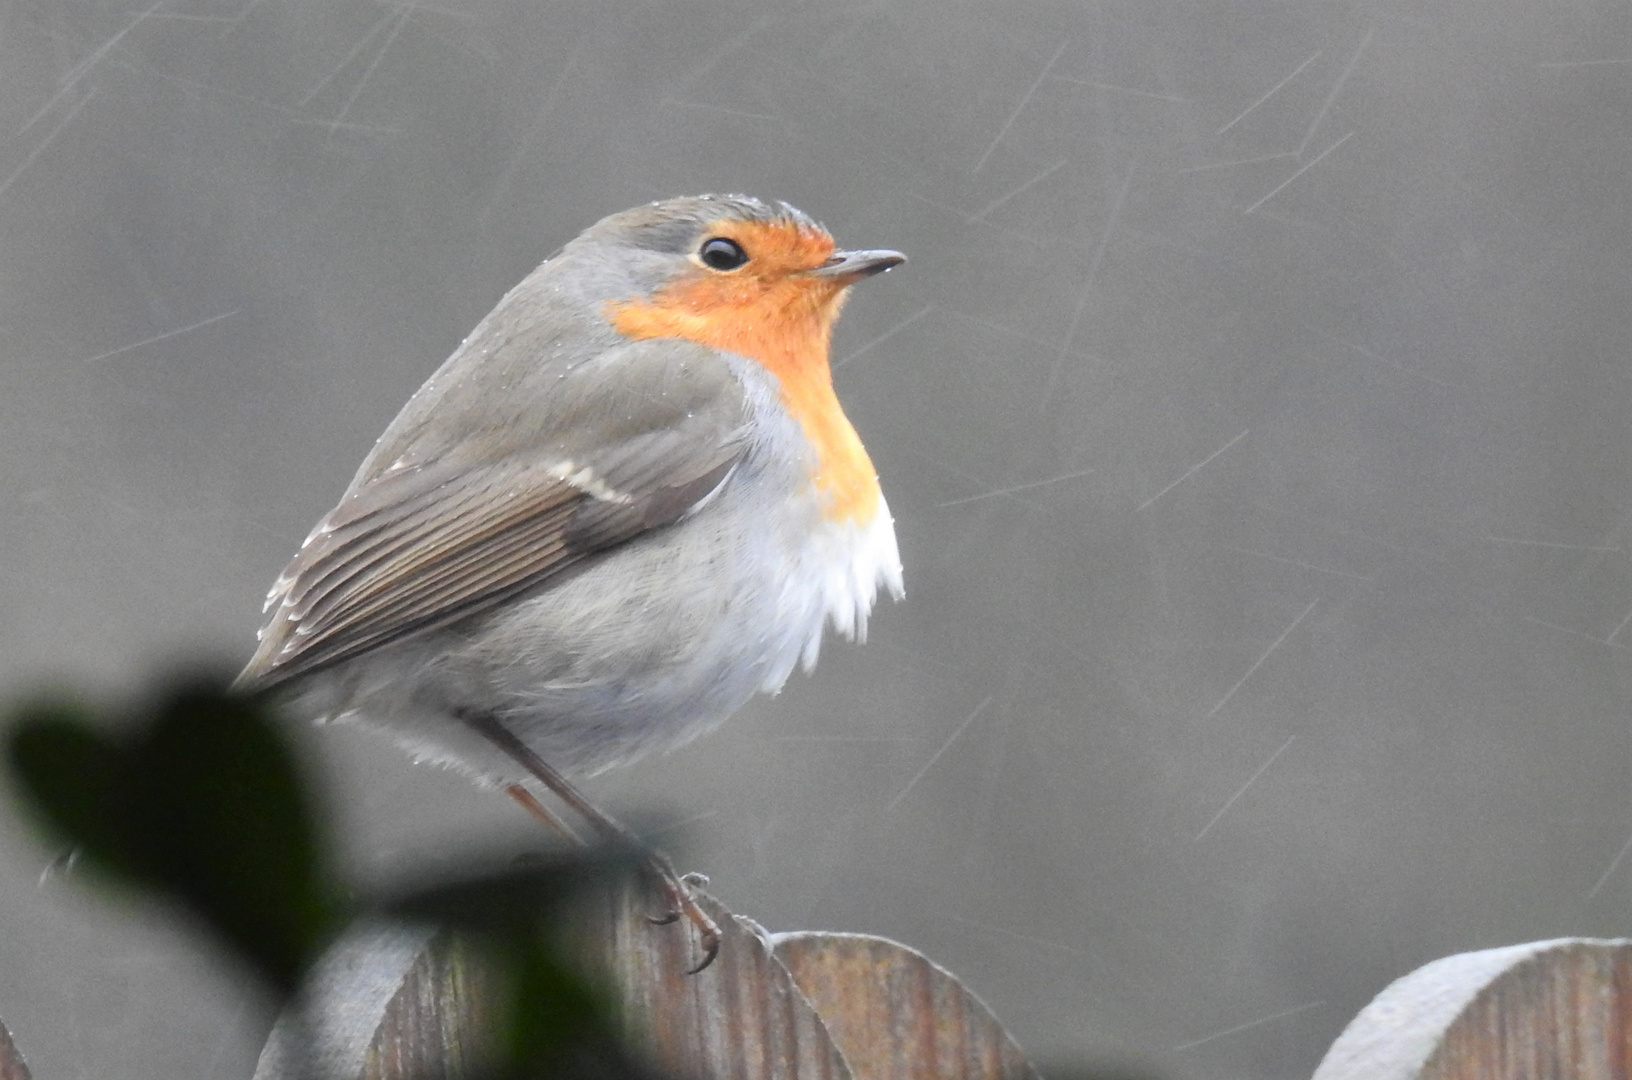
column 784, row 321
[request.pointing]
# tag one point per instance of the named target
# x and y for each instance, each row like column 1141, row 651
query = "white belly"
column 652, row 645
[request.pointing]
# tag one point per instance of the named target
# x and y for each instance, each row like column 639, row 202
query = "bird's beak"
column 849, row 267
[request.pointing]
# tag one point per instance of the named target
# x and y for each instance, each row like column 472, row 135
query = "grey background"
column 1252, row 411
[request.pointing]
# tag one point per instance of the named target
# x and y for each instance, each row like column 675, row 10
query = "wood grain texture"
column 1540, row 1010
column 743, row 1017
column 393, row 1003
column 896, row 1014
column 387, row 1003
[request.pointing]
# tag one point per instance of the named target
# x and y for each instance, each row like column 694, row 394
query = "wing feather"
column 447, row 535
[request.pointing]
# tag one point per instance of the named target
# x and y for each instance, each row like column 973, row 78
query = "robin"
column 627, row 502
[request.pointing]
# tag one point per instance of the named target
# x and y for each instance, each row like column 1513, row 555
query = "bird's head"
column 763, row 280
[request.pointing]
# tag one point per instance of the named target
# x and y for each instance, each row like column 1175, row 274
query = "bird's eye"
column 722, row 254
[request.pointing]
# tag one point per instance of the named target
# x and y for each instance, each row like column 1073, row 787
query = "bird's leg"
column 529, row 802
column 609, row 828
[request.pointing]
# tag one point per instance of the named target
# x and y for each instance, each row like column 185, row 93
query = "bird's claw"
column 711, row 949
column 683, row 903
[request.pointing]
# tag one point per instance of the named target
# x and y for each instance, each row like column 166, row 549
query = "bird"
column 628, row 502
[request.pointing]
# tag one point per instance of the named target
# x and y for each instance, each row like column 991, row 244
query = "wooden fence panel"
column 393, row 1003
column 896, row 1014
column 1544, row 1010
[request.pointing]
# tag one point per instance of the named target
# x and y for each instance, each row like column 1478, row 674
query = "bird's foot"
column 682, row 902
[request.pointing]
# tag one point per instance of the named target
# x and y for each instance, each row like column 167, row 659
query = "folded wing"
column 439, row 536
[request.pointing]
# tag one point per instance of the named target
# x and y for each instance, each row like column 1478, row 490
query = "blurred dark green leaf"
column 70, row 774
column 197, row 797
column 549, row 1020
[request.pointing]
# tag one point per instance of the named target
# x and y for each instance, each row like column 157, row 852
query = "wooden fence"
column 393, row 1004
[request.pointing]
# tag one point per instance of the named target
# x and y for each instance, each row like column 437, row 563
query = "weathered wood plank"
column 393, row 1003
column 896, row 1014
column 387, row 1002
column 1541, row 1010
column 742, row 1017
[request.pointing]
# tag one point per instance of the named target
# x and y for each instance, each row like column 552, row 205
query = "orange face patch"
column 774, row 311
